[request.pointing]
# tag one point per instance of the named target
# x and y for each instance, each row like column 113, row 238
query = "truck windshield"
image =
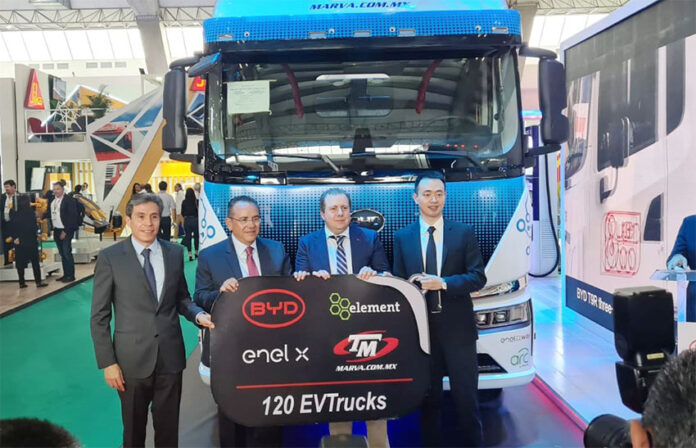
column 453, row 113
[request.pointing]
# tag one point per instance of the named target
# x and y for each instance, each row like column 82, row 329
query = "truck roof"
column 270, row 20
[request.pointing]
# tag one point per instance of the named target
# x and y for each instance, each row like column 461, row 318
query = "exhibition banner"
column 285, row 352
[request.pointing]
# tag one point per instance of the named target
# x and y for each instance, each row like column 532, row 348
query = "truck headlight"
column 508, row 315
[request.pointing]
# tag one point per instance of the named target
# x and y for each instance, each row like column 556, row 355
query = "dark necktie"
column 432, row 297
column 341, row 261
column 150, row 272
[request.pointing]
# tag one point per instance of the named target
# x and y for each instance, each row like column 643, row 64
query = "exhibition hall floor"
column 47, row 370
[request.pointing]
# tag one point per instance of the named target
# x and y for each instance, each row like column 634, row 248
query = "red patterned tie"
column 251, row 266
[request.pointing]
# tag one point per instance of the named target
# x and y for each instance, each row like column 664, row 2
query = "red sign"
column 366, row 346
column 273, row 308
column 33, row 98
column 621, row 244
column 198, row 84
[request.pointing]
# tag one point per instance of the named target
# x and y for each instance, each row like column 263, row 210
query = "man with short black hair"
column 669, row 413
column 168, row 212
column 8, row 207
column 445, row 258
column 66, row 220
column 220, row 267
column 142, row 280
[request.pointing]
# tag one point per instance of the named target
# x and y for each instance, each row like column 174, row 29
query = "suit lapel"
column 323, row 255
column 136, row 270
column 446, row 238
column 169, row 266
column 415, row 239
column 232, row 259
column 264, row 257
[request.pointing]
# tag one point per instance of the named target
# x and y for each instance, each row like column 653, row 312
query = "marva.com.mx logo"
column 343, row 308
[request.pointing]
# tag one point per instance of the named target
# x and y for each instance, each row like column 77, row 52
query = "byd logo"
column 366, row 346
column 273, row 308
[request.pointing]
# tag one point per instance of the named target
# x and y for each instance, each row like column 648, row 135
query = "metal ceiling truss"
column 68, row 19
column 551, row 7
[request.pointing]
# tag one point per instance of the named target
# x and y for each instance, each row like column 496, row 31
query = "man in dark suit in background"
column 446, row 258
column 343, row 248
column 65, row 218
column 142, row 279
column 8, row 207
column 220, row 267
column 683, row 256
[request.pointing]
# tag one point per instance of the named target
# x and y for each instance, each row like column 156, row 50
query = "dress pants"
column 376, row 432
column 458, row 360
column 165, row 230
column 163, row 390
column 65, row 250
column 235, row 435
column 35, row 265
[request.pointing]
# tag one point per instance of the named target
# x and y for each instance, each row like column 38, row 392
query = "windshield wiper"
column 455, row 154
column 323, row 157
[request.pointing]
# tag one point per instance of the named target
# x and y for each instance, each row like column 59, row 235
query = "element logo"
column 343, row 308
column 366, row 346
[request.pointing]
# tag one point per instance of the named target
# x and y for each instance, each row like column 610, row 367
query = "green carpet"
column 48, row 369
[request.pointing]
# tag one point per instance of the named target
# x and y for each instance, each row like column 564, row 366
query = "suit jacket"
column 4, row 225
column 142, row 325
column 365, row 250
column 685, row 244
column 68, row 213
column 462, row 270
column 219, row 262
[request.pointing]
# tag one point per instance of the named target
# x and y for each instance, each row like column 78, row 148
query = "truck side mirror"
column 174, row 138
column 619, row 144
column 552, row 101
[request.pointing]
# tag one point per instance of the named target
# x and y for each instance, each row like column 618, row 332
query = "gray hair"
column 138, row 199
column 670, row 409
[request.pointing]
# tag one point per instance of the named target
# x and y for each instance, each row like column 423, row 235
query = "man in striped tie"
column 339, row 249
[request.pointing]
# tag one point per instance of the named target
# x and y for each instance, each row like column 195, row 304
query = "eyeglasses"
column 244, row 221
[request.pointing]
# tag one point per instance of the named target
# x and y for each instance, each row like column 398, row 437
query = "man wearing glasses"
column 220, row 267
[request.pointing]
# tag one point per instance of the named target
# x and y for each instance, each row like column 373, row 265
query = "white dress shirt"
column 156, row 260
column 332, row 246
column 240, row 249
column 55, row 213
column 168, row 204
column 437, row 236
column 9, row 204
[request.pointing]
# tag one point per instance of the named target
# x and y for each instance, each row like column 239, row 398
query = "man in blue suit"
column 341, row 248
column 683, row 256
column 445, row 257
column 220, row 267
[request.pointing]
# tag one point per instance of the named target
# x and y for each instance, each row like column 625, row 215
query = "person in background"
column 137, row 189
column 85, row 191
column 8, row 207
column 168, row 212
column 26, row 246
column 178, row 200
column 683, row 256
column 197, row 190
column 77, row 190
column 189, row 210
column 147, row 188
column 65, row 217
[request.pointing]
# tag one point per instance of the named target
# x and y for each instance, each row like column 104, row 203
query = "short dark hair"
column 237, row 199
column 162, row 185
column 35, row 432
column 428, row 175
column 10, row 182
column 138, row 199
column 670, row 409
column 78, row 188
column 333, row 192
column 62, row 185
column 147, row 187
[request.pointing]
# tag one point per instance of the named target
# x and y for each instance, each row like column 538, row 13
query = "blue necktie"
column 341, row 262
column 150, row 272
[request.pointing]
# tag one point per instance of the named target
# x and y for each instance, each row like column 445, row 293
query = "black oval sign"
column 369, row 219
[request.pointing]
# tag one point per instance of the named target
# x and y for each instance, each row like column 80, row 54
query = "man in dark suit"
column 683, row 256
column 447, row 261
column 343, row 248
column 65, row 219
column 243, row 254
column 142, row 279
column 8, row 207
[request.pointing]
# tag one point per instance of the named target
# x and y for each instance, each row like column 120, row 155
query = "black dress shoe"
column 41, row 285
column 68, row 279
column 22, row 285
column 60, row 279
